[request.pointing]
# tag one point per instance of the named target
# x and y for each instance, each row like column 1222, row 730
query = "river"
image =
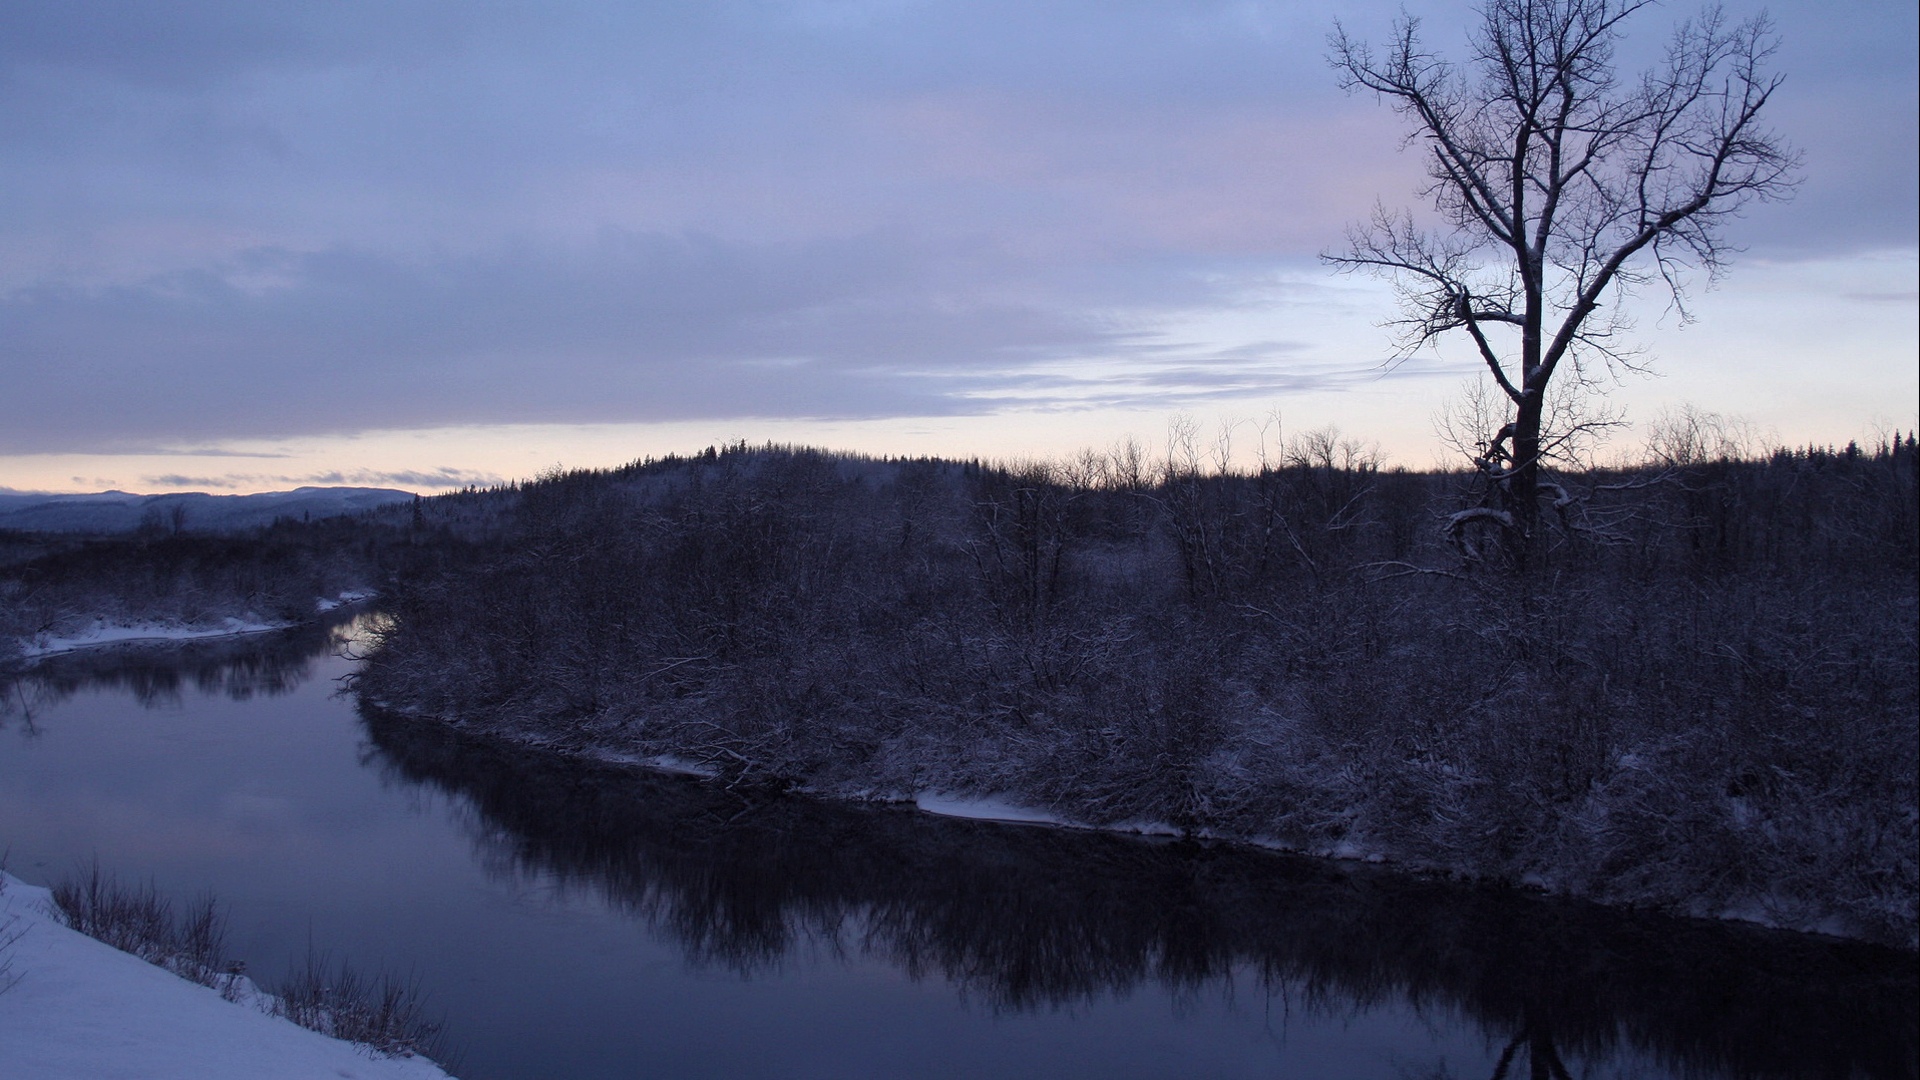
column 587, row 922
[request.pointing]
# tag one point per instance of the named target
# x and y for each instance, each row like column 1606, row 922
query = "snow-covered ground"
column 351, row 596
column 79, row 1009
column 998, row 808
column 105, row 633
column 981, row 808
column 102, row 632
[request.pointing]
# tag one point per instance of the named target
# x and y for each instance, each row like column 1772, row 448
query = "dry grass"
column 137, row 919
column 384, row 1012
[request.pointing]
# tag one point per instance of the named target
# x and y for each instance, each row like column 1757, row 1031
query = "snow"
column 984, row 808
column 83, row 1009
column 105, row 633
column 351, row 596
column 682, row 766
column 997, row 808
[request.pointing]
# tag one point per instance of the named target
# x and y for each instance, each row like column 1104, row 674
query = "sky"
column 426, row 244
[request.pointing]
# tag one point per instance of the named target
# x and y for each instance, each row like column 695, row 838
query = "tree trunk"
column 1523, row 485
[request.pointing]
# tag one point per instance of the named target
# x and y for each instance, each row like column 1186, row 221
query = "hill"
column 122, row 512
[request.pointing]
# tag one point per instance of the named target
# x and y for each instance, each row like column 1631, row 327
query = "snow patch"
column 666, row 763
column 1150, row 828
column 81, row 1007
column 984, row 808
column 685, row 767
column 997, row 808
column 351, row 596
column 105, row 633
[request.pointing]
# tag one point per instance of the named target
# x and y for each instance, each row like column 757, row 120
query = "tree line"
column 56, row 584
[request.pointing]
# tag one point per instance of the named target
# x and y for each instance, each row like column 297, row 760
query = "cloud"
column 1254, row 372
column 199, row 43
column 200, row 452
column 629, row 328
column 236, row 220
column 217, row 126
column 443, row 477
column 178, row 481
column 440, row 478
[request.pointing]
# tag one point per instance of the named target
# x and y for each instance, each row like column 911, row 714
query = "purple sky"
column 320, row 233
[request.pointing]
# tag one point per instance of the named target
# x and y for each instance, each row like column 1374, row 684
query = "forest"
column 167, row 574
column 1696, row 691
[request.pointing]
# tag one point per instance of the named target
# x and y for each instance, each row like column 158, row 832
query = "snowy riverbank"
column 1009, row 808
column 80, row 1008
column 103, row 632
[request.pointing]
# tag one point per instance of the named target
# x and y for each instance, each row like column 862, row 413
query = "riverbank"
column 105, row 633
column 78, row 1007
column 102, row 633
column 1009, row 809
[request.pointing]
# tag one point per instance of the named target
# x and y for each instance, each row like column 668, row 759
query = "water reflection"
column 156, row 673
column 1028, row 919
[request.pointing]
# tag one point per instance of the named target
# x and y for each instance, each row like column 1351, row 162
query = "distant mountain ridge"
column 120, row 511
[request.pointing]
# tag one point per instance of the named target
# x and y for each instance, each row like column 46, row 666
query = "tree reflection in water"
column 155, row 673
column 1029, row 918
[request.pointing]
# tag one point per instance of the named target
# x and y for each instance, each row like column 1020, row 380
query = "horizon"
column 1749, row 446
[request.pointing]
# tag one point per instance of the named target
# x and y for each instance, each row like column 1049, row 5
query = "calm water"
column 573, row 922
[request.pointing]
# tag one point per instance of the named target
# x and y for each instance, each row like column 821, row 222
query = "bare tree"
column 1561, row 187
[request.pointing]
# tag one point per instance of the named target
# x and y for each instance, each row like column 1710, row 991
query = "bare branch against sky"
column 364, row 235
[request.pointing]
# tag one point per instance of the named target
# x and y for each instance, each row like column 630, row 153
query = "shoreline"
column 1002, row 811
column 115, row 635
column 106, row 635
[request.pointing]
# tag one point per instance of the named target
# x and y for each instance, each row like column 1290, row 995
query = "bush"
column 385, row 1013
column 138, row 920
